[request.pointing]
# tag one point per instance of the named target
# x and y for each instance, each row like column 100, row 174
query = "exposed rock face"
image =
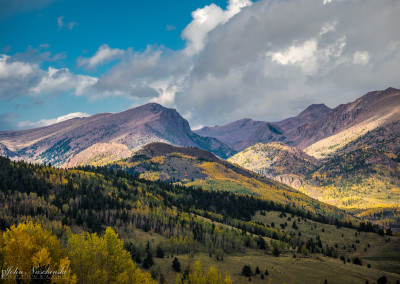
column 133, row 128
column 246, row 132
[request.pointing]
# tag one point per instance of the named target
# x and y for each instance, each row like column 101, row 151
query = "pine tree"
column 159, row 252
column 176, row 265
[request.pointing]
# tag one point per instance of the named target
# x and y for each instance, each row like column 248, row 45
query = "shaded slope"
column 244, row 133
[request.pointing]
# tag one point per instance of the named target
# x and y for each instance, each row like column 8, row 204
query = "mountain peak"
column 391, row 90
column 315, row 108
column 152, row 107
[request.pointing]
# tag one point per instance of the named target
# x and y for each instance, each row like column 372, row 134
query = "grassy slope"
column 313, row 268
column 219, row 175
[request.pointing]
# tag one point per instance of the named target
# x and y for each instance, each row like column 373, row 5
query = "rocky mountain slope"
column 318, row 130
column 348, row 122
column 246, row 132
column 133, row 128
column 310, row 114
column 277, row 161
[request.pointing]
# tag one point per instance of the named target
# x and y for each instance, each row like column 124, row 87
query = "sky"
column 214, row 61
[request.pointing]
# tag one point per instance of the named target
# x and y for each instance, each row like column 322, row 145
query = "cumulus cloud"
column 19, row 78
column 205, row 20
column 103, row 55
column 56, row 81
column 45, row 122
column 69, row 25
column 273, row 59
column 155, row 74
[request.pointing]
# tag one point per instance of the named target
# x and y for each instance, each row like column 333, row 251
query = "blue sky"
column 214, row 61
column 122, row 24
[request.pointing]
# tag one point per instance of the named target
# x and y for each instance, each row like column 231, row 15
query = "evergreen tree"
column 159, row 252
column 246, row 271
column 176, row 265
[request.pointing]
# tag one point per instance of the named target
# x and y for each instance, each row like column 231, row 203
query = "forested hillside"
column 72, row 203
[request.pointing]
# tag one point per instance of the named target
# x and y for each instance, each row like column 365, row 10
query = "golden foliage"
column 103, row 260
column 29, row 246
column 197, row 276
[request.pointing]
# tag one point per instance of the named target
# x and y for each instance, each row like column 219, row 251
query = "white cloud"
column 62, row 80
column 205, row 20
column 268, row 56
column 303, row 55
column 13, row 69
column 45, row 122
column 19, row 78
column 103, row 55
column 155, row 74
column 61, row 24
column 361, row 57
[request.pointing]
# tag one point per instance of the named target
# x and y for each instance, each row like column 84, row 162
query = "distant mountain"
column 318, row 130
column 346, row 123
column 246, row 132
column 277, row 161
column 133, row 128
column 243, row 133
column 196, row 167
column 310, row 114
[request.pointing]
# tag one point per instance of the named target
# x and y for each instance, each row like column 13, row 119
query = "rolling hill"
column 196, row 167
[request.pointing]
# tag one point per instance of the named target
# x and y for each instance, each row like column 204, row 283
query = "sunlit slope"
column 277, row 161
column 195, row 167
column 364, row 178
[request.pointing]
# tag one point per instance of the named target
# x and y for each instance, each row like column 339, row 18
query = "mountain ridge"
column 133, row 128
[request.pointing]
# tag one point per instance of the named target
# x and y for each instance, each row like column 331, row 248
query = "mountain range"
column 347, row 156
